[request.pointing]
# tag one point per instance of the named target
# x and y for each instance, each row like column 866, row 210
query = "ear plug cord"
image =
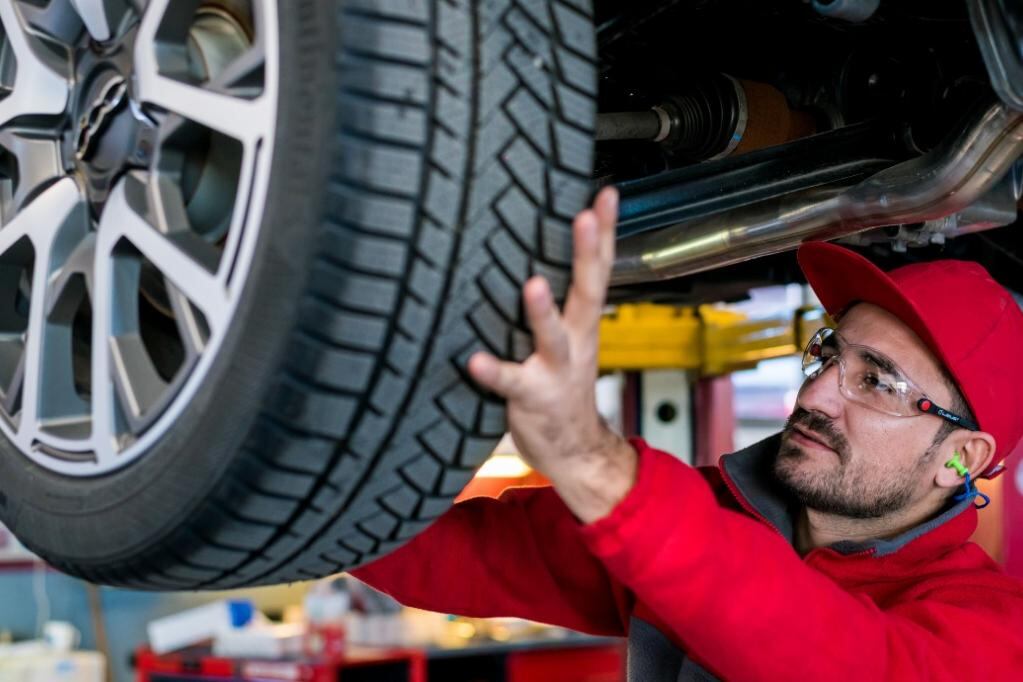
column 970, row 491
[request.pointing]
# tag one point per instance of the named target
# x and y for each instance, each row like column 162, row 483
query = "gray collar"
column 751, row 472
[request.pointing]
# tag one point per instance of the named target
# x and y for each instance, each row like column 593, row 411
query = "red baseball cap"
column 971, row 323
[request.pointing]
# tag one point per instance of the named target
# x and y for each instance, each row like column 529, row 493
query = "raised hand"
column 552, row 407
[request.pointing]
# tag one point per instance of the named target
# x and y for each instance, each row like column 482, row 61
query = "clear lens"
column 865, row 376
column 823, row 348
column 866, row 382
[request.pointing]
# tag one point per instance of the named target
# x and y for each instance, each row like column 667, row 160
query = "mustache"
column 821, row 427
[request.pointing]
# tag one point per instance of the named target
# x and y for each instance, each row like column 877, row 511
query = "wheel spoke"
column 191, row 325
column 40, row 86
column 243, row 119
column 41, row 217
column 105, row 415
column 101, row 17
column 11, row 402
column 37, row 161
column 56, row 19
column 136, row 380
column 240, row 118
column 49, row 392
column 170, row 252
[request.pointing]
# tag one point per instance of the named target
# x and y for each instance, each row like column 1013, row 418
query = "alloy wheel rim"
column 135, row 144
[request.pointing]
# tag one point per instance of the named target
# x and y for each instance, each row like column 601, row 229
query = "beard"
column 855, row 489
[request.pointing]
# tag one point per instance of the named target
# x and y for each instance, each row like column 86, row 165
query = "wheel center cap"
column 98, row 116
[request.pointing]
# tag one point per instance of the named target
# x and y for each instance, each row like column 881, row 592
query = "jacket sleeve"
column 731, row 591
column 520, row 555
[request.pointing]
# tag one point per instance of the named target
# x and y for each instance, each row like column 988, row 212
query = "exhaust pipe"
column 937, row 184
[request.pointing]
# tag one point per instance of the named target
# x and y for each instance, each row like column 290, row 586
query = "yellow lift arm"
column 709, row 340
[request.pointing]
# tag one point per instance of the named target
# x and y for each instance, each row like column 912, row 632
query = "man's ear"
column 976, row 450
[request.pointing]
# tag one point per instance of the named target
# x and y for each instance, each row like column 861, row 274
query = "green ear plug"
column 957, row 464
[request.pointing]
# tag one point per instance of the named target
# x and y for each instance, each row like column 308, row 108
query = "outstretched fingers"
column 593, row 258
column 549, row 335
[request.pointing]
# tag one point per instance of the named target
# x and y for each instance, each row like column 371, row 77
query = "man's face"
column 842, row 457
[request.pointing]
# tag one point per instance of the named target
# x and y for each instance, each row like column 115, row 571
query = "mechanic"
column 837, row 549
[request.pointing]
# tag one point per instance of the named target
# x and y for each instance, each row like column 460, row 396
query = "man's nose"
column 822, row 394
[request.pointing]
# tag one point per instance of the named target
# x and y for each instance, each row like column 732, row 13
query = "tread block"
column 379, row 526
column 513, row 208
column 492, row 328
column 354, row 330
column 509, row 254
column 360, row 293
column 442, row 198
column 279, row 482
column 443, row 440
column 378, row 167
column 409, row 10
column 357, row 542
column 404, row 355
column 531, row 71
column 475, row 451
column 368, row 434
column 293, row 451
column 565, row 194
column 385, row 121
column 424, row 280
column 502, row 293
column 389, row 392
column 575, row 29
column 384, row 80
column 577, row 72
column 448, row 155
column 259, row 507
column 434, row 507
column 454, row 480
column 528, row 168
column 372, row 212
column 576, row 108
column 411, row 528
column 531, row 118
column 374, row 255
column 342, row 369
column 415, row 319
column 317, row 411
column 229, row 530
column 529, row 34
column 556, row 243
column 436, row 245
column 461, row 403
column 584, row 6
column 493, row 422
column 574, row 148
column 221, row 557
column 342, row 556
column 402, row 501
column 424, row 471
column 390, row 42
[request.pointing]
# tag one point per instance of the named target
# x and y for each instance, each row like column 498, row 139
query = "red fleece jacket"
column 687, row 552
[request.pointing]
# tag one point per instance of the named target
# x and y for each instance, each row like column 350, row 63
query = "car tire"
column 428, row 158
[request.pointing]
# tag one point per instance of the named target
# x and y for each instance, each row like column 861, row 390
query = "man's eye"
column 877, row 383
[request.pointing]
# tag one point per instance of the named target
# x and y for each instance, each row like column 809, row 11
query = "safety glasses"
column 871, row 378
